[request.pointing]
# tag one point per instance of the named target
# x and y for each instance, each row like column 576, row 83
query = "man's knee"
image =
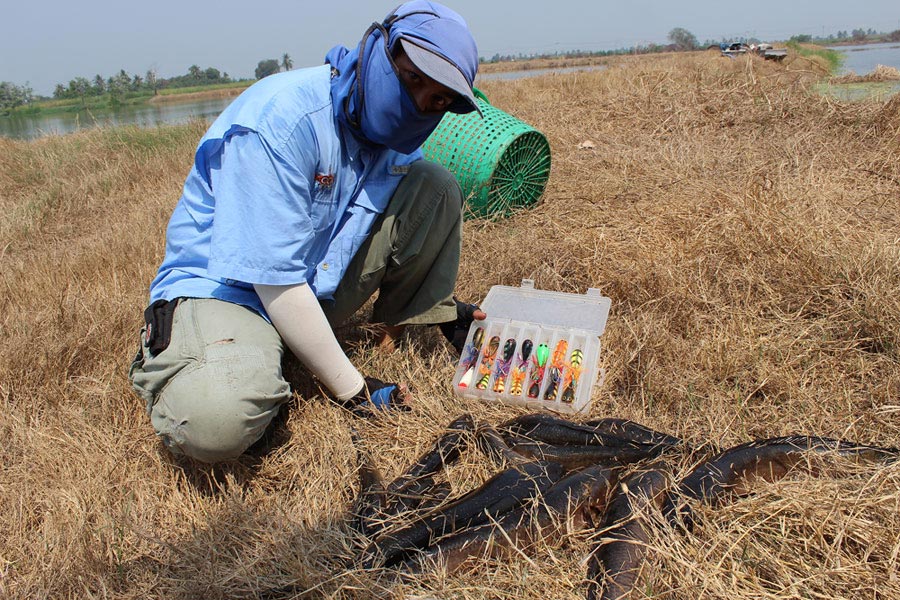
column 438, row 180
column 214, row 412
column 429, row 212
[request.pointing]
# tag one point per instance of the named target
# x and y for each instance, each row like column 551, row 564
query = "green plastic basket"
column 502, row 164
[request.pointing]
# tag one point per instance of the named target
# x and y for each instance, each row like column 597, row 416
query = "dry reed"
column 746, row 230
column 879, row 73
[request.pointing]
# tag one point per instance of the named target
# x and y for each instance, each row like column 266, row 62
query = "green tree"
column 115, row 89
column 151, row 82
column 267, row 67
column 286, row 63
column 12, row 95
column 123, row 80
column 78, row 88
column 99, row 86
column 683, row 39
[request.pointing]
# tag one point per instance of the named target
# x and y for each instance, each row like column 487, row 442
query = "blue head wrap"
column 369, row 98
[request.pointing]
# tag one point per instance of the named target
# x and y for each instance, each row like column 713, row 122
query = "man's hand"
column 379, row 395
column 456, row 331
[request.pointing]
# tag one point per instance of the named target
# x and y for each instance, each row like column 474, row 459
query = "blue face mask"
column 370, row 101
column 388, row 115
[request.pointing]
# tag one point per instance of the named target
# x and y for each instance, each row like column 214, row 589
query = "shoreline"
column 102, row 103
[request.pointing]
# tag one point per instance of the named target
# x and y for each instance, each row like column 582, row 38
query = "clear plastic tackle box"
column 536, row 348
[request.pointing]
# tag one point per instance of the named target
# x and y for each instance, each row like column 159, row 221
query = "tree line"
column 855, row 35
column 12, row 95
column 121, row 85
column 680, row 39
column 270, row 66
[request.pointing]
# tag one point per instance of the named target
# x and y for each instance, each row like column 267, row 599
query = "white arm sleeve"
column 298, row 318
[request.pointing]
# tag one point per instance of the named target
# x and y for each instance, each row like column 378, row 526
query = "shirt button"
column 324, row 266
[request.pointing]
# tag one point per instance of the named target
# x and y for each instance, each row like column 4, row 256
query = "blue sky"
column 47, row 42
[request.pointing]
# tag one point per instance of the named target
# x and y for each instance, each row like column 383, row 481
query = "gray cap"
column 443, row 71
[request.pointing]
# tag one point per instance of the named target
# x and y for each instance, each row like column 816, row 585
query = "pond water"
column 146, row 115
column 863, row 59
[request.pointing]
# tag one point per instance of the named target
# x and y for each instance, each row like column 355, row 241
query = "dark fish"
column 497, row 495
column 616, row 561
column 376, row 503
column 554, row 430
column 411, row 497
column 578, row 457
column 372, row 495
column 732, row 473
column 436, row 496
column 633, row 431
column 495, row 446
column 568, row 500
column 445, row 450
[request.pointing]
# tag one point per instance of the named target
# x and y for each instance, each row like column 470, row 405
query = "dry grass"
column 545, row 63
column 879, row 73
column 747, row 233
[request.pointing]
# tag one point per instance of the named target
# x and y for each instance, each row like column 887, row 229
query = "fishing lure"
column 518, row 374
column 487, row 362
column 509, row 348
column 557, row 364
column 470, row 353
column 572, row 374
column 541, row 353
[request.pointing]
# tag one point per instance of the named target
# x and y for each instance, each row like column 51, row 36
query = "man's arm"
column 297, row 316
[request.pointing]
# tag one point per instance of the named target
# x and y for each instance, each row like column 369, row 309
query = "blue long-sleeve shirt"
column 278, row 195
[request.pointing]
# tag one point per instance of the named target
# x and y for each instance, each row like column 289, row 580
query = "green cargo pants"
column 213, row 391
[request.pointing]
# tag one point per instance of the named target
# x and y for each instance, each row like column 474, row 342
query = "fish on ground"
column 616, row 433
column 568, row 505
column 505, row 490
column 732, row 473
column 616, row 562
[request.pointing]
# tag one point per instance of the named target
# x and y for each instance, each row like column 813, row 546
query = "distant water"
column 863, row 59
column 146, row 115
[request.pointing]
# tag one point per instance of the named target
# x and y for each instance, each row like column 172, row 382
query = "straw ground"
column 746, row 230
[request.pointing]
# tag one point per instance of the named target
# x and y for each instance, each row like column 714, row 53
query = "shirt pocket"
column 324, row 202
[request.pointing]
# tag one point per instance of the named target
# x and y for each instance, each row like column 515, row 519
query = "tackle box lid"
column 587, row 312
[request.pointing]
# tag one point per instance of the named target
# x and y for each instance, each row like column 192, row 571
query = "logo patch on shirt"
column 399, row 169
column 324, row 181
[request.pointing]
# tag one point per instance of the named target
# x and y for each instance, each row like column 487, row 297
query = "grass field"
column 746, row 229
